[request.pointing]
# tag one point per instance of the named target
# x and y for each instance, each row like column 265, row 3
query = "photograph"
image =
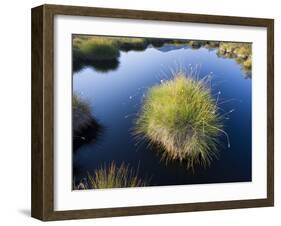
column 160, row 111
column 140, row 112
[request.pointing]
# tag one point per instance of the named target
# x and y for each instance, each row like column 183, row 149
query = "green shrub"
column 182, row 118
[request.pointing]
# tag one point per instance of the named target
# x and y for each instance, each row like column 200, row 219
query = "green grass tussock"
column 88, row 44
column 102, row 53
column 112, row 177
column 182, row 118
column 99, row 49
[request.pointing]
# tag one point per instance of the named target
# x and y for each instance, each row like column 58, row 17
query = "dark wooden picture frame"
column 42, row 203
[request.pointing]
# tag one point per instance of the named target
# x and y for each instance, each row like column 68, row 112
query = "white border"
column 66, row 199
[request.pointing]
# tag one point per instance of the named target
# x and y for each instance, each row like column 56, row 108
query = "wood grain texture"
column 43, row 107
column 37, row 159
column 270, row 111
column 42, row 113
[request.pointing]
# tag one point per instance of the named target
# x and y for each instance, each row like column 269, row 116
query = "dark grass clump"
column 99, row 53
column 182, row 118
column 86, row 128
column 81, row 111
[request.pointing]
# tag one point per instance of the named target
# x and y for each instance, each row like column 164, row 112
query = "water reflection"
column 79, row 62
column 239, row 60
column 116, row 96
column 90, row 134
column 102, row 53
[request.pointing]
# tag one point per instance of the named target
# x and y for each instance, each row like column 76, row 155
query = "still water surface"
column 115, row 97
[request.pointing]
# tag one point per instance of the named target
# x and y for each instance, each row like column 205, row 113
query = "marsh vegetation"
column 241, row 52
column 103, row 53
column 86, row 129
column 173, row 127
column 182, row 117
column 112, row 176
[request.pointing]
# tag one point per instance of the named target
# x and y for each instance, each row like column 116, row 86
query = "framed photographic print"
column 141, row 112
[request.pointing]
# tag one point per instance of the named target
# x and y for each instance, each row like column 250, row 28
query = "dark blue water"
column 116, row 96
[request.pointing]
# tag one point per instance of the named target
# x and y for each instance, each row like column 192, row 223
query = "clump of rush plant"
column 79, row 103
column 181, row 117
column 113, row 177
column 98, row 49
column 81, row 111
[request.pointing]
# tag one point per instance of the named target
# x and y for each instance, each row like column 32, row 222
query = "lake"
column 115, row 96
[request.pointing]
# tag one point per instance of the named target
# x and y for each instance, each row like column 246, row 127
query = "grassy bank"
column 102, row 53
column 182, row 118
column 112, row 177
column 241, row 52
column 107, row 48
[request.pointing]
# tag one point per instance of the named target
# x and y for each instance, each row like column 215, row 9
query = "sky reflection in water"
column 115, row 97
